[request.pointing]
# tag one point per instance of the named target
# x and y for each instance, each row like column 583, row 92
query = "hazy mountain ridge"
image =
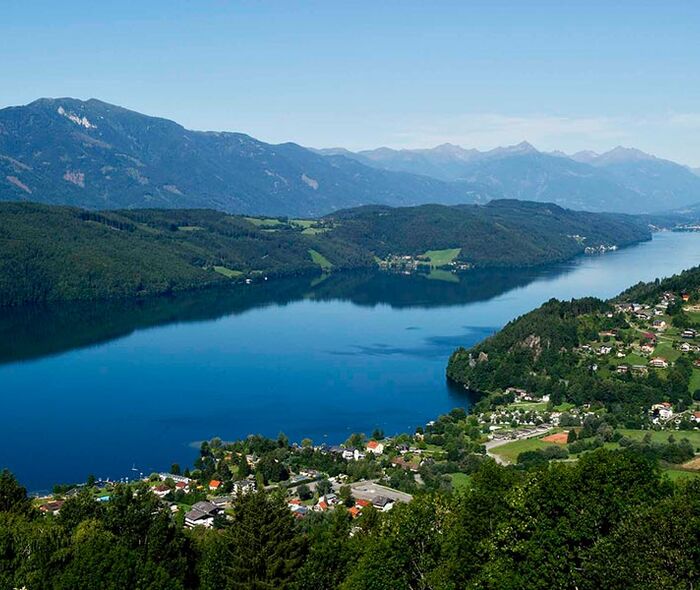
column 96, row 155
column 622, row 179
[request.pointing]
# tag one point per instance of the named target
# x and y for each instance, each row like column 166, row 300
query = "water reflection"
column 35, row 332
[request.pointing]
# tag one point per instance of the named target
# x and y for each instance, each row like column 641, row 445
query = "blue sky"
column 363, row 74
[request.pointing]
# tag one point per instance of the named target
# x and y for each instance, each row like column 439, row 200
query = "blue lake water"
column 102, row 388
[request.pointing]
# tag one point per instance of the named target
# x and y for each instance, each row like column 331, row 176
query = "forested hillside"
column 59, row 253
column 625, row 354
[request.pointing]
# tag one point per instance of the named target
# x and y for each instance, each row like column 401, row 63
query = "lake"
column 118, row 388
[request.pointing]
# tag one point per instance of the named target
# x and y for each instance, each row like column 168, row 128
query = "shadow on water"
column 33, row 332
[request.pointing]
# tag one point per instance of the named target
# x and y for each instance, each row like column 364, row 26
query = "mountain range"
column 622, row 180
column 96, row 155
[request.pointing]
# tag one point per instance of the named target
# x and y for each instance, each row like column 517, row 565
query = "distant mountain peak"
column 623, row 154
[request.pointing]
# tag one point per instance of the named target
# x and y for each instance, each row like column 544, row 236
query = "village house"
column 658, row 363
column 214, row 485
column 383, row 503
column 243, row 486
column 659, row 325
column 622, row 369
column 685, row 347
column 647, row 348
column 689, row 334
column 375, row 447
column 53, row 507
column 663, row 410
column 161, row 490
column 202, row 514
column 222, row 502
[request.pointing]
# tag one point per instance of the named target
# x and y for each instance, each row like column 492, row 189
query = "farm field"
column 442, row 257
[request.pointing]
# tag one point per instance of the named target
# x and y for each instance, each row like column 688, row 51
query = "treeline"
column 52, row 253
column 607, row 521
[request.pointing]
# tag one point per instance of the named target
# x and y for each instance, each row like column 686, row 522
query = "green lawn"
column 460, row 481
column 694, row 381
column 511, row 450
column 442, row 257
column 665, row 349
column 320, row 259
column 529, row 406
column 228, row 272
column 633, row 359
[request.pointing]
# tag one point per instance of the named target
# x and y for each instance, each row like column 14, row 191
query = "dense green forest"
column 555, row 351
column 609, row 521
column 50, row 253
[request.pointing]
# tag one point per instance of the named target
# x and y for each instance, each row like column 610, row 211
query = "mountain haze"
column 622, row 180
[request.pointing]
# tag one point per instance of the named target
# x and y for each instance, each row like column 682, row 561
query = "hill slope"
column 96, row 155
column 63, row 253
column 571, row 351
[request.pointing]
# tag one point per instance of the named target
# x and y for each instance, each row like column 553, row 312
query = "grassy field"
column 442, row 257
column 460, row 481
column 510, row 451
column 661, row 436
column 227, row 272
column 190, row 228
column 320, row 259
column 677, row 474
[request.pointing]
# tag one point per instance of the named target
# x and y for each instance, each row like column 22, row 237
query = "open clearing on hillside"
column 441, row 257
column 320, row 259
column 228, row 272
